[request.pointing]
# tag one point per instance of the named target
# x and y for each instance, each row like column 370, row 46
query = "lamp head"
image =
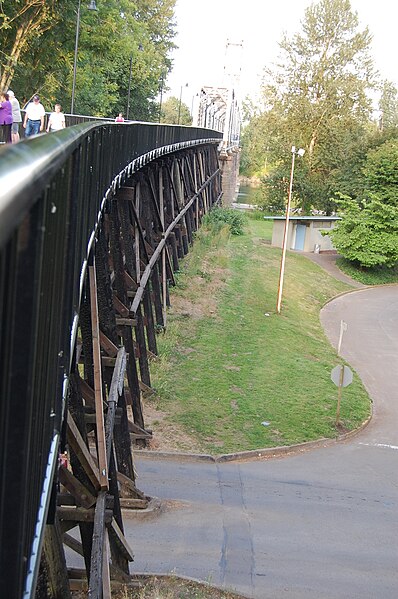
column 92, row 5
column 301, row 152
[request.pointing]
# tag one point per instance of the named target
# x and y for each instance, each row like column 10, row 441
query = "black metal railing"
column 52, row 190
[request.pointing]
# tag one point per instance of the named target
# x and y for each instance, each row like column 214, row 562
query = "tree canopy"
column 316, row 97
column 38, row 42
column 368, row 231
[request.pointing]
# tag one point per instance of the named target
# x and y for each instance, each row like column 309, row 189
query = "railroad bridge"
column 94, row 221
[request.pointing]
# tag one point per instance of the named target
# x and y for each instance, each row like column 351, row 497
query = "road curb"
column 253, row 454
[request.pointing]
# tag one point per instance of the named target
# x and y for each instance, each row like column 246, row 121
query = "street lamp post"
column 179, row 104
column 161, row 98
column 300, row 153
column 140, row 48
column 92, row 6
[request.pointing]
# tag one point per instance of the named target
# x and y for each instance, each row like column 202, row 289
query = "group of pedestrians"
column 33, row 122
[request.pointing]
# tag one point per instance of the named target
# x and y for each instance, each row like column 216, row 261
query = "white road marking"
column 380, row 445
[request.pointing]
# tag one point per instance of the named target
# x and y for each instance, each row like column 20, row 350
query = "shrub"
column 218, row 217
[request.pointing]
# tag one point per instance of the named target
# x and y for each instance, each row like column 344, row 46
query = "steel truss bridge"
column 94, row 221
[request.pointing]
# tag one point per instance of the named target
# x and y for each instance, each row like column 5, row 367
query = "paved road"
column 321, row 524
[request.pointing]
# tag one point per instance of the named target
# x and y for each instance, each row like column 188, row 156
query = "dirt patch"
column 167, row 436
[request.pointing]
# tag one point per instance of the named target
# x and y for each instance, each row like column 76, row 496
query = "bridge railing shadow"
column 52, row 190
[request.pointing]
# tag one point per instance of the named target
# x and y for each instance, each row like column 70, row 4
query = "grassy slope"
column 235, row 364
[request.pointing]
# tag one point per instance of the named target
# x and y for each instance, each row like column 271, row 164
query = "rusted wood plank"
column 99, row 405
column 75, row 440
column 81, row 494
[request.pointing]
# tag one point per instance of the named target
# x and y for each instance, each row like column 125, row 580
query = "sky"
column 253, row 29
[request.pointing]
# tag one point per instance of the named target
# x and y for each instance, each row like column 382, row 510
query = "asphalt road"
column 320, row 524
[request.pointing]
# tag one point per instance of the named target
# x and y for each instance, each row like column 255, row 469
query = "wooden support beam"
column 120, row 307
column 81, row 494
column 118, row 536
column 146, row 389
column 133, row 503
column 82, row 514
column 134, row 428
column 106, row 574
column 110, row 348
column 55, row 564
column 73, row 544
column 128, row 488
column 131, row 284
column 126, row 322
column 87, row 392
column 116, row 389
column 75, row 440
column 96, row 566
column 99, row 405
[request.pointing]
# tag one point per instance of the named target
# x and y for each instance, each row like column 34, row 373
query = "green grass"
column 229, row 363
column 369, row 276
column 172, row 587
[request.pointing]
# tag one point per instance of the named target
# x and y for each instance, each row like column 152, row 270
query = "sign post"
column 343, row 328
column 342, row 377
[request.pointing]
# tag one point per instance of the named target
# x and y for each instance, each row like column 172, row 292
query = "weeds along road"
column 320, row 524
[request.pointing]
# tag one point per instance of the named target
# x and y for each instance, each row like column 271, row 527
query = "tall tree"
column 21, row 22
column 317, row 95
column 388, row 107
column 124, row 44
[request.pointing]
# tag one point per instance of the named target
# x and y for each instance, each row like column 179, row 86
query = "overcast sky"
column 254, row 28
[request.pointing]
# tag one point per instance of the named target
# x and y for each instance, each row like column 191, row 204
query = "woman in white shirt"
column 56, row 120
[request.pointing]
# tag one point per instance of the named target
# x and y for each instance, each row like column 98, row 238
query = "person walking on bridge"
column 16, row 117
column 34, row 117
column 56, row 122
column 5, row 116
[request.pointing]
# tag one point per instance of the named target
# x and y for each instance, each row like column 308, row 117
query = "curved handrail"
column 27, row 167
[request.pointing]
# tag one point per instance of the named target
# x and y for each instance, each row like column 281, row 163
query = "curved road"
column 320, row 524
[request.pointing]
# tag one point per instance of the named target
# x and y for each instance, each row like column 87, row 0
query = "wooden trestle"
column 145, row 229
